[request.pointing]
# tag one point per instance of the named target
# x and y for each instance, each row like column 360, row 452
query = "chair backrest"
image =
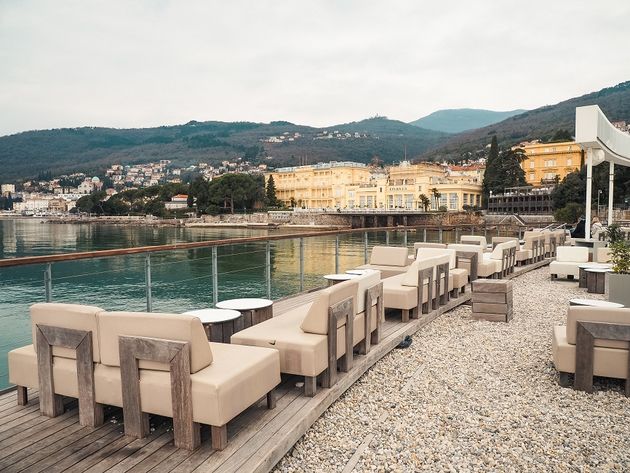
column 316, row 319
column 575, row 254
column 178, row 327
column 418, row 245
column 73, row 316
column 530, row 238
column 410, row 278
column 596, row 314
column 474, row 240
column 389, row 256
column 425, row 253
column 460, row 247
column 364, row 282
column 497, row 253
column 497, row 240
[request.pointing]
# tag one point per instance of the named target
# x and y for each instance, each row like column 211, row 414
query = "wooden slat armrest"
column 472, row 257
column 342, row 311
column 373, row 295
column 424, row 274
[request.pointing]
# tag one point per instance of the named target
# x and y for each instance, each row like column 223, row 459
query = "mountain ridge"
column 457, row 120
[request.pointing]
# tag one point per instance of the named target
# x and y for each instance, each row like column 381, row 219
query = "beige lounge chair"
column 458, row 276
column 609, row 357
column 401, row 291
column 389, row 260
column 503, row 256
column 532, row 250
column 302, row 338
column 568, row 260
column 168, row 368
column 485, row 268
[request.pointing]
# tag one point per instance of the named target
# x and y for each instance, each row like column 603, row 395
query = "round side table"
column 218, row 323
column 582, row 273
column 254, row 310
column 337, row 278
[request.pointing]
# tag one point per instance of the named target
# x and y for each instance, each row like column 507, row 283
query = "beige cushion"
column 364, row 282
column 424, row 253
column 459, row 277
column 522, row 255
column 183, row 328
column 564, row 269
column 608, row 362
column 575, row 254
column 410, row 278
column 497, row 253
column 389, row 256
column 596, row 314
column 475, row 240
column 418, row 245
column 23, row 371
column 386, row 271
column 316, row 319
column 74, row 316
column 237, row 378
column 398, row 296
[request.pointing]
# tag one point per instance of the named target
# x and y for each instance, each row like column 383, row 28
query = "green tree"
column 492, row 172
column 570, row 213
column 233, row 191
column 425, row 202
column 561, row 135
column 512, row 173
column 270, row 193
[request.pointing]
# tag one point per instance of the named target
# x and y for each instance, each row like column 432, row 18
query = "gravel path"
column 471, row 396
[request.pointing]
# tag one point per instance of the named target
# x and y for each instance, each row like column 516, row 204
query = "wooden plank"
column 154, row 445
column 482, row 307
column 88, row 451
column 105, row 452
column 492, row 285
column 492, row 297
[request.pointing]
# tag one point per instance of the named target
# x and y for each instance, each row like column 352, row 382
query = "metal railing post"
column 268, row 268
column 387, row 237
column 365, row 247
column 48, row 282
column 405, row 237
column 147, row 281
column 456, row 234
column 337, row 254
column 301, row 264
column 215, row 275
column 440, row 235
column 472, row 230
column 424, row 234
column 520, row 233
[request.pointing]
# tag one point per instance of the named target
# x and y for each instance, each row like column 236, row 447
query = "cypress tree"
column 492, row 174
column 270, row 197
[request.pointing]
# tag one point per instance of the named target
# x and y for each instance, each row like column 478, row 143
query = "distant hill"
column 540, row 123
column 91, row 149
column 462, row 119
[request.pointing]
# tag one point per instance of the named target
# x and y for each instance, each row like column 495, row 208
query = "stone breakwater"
column 474, row 396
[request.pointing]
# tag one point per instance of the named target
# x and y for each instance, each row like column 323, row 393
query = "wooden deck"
column 257, row 439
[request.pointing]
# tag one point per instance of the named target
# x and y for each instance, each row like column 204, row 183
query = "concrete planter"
column 619, row 288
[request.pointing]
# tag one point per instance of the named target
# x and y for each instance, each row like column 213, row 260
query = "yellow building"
column 320, row 185
column 352, row 185
column 549, row 162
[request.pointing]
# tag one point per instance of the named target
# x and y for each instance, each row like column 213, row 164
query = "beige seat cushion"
column 237, row 377
column 564, row 269
column 608, row 362
column 523, row 255
column 425, row 253
column 184, row 328
column 418, row 245
column 596, row 314
column 301, row 353
column 364, row 282
column 459, row 277
column 572, row 254
column 23, row 371
column 484, row 269
column 73, row 316
column 399, row 296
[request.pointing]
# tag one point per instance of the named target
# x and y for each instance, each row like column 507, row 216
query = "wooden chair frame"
column 343, row 311
column 51, row 404
column 586, row 334
column 472, row 257
column 177, row 355
column 441, row 274
column 424, row 307
column 373, row 295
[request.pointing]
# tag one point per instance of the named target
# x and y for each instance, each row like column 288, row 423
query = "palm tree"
column 424, row 201
column 436, row 195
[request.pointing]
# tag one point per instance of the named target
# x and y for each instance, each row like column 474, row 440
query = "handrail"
column 29, row 260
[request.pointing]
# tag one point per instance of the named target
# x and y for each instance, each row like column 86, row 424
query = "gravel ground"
column 471, row 396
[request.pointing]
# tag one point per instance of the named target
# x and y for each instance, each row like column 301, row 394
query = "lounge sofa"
column 567, row 262
column 302, row 338
column 503, row 256
column 214, row 383
column 389, row 260
column 458, row 277
column 610, row 357
column 485, row 269
column 532, row 249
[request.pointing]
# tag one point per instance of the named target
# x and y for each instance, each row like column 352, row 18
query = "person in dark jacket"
column 579, row 230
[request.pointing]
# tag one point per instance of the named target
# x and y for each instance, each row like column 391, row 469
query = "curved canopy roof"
column 594, row 131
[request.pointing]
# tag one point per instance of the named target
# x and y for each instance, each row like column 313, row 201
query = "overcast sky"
column 147, row 63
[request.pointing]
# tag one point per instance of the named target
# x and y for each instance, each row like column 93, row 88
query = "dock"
column 257, row 439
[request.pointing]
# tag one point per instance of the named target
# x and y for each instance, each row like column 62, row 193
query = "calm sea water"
column 181, row 280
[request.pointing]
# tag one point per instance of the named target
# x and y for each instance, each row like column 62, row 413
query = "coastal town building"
column 348, row 185
column 7, row 189
column 549, row 163
column 179, row 201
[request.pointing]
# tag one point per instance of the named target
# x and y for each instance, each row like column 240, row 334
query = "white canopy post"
column 589, row 191
column 611, row 185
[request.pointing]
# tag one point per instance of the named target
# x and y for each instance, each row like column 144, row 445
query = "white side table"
column 218, row 323
column 337, row 278
column 254, row 310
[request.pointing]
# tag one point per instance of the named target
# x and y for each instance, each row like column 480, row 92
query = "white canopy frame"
column 601, row 142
